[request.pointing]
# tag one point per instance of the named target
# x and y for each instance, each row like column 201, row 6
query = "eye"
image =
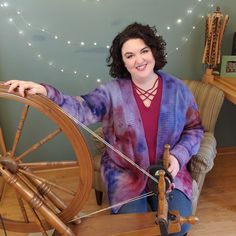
column 145, row 51
column 129, row 56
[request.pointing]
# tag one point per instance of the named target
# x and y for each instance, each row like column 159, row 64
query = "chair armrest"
column 203, row 161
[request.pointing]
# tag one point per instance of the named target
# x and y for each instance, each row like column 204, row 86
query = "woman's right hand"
column 29, row 86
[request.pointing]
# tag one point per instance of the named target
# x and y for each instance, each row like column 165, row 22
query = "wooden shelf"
column 227, row 85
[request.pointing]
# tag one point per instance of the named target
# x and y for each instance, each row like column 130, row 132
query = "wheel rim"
column 82, row 157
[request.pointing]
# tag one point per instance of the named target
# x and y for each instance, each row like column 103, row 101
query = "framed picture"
column 228, row 66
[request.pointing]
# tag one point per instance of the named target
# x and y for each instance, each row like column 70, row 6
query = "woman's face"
column 138, row 59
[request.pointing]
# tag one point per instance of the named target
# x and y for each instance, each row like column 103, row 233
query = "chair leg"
column 98, row 197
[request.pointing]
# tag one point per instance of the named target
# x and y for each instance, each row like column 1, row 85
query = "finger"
column 13, row 86
column 22, row 90
column 32, row 91
column 170, row 169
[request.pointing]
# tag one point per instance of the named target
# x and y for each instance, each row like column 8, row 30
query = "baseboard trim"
column 226, row 150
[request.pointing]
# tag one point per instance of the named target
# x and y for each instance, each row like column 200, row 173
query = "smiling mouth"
column 141, row 67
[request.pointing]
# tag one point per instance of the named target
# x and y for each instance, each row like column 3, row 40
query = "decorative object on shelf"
column 228, row 66
column 215, row 27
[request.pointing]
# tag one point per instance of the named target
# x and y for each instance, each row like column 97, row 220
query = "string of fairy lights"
column 17, row 19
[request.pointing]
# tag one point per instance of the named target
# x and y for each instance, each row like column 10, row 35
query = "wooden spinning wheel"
column 39, row 200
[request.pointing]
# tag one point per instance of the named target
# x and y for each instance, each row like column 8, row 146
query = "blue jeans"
column 176, row 201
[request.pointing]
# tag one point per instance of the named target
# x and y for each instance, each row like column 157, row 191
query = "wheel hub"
column 9, row 163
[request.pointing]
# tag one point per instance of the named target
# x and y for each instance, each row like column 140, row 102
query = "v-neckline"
column 146, row 94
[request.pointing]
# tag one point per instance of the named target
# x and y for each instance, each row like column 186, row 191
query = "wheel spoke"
column 2, row 143
column 19, row 129
column 22, row 208
column 49, row 165
column 48, row 182
column 38, row 144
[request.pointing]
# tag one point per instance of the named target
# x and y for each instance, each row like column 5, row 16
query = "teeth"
column 141, row 67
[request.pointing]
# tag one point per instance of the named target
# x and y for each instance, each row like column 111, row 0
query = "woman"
column 141, row 110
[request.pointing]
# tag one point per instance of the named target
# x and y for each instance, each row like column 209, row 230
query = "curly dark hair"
column 135, row 31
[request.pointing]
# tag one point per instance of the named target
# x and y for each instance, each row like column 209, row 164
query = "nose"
column 139, row 58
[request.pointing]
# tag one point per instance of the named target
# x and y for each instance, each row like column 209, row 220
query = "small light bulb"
column 69, row 42
column 177, row 49
column 29, row 24
column 168, row 27
column 94, row 43
column 179, row 21
column 43, row 30
column 194, row 27
column 29, row 44
column 87, row 76
column 39, row 56
column 75, row 72
column 98, row 80
column 55, row 37
column 21, row 32
column 5, row 4
column 82, row 43
column 50, row 63
column 62, row 70
column 18, row 12
column 212, row 5
column 10, row 19
column 189, row 11
column 202, row 16
column 107, row 46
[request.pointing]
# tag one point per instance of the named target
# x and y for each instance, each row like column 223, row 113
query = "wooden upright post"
column 208, row 76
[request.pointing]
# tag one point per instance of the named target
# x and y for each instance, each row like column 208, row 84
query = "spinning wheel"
column 42, row 204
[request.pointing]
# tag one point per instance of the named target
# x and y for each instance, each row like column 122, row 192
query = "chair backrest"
column 209, row 100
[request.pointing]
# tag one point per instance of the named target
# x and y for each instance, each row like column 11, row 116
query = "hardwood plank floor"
column 217, row 205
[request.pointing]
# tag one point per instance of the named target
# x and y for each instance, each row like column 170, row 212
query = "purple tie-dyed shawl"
column 114, row 105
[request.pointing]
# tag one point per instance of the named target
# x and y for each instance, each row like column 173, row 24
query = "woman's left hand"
column 174, row 166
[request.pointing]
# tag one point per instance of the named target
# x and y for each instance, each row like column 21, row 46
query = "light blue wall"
column 91, row 21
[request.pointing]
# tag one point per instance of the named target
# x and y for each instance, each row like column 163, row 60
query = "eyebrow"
column 130, row 53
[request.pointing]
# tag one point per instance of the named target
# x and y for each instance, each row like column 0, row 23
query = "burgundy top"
column 150, row 116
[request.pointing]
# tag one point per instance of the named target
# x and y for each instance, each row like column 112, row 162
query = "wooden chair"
column 209, row 100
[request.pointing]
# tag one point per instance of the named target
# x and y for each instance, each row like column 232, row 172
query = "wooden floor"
column 217, row 206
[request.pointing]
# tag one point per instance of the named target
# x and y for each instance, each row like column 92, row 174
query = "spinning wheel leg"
column 35, row 202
